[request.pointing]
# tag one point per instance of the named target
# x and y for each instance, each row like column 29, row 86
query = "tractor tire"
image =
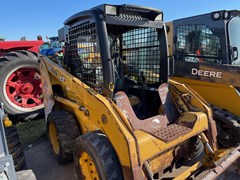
column 20, row 85
column 15, row 148
column 95, row 158
column 62, row 131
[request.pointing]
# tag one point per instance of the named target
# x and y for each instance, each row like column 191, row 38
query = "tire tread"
column 68, row 132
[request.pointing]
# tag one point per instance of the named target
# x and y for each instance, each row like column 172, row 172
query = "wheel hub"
column 23, row 88
column 228, row 136
column 26, row 88
column 88, row 167
column 53, row 136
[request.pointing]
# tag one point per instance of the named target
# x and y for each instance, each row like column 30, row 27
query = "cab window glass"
column 234, row 38
column 197, row 43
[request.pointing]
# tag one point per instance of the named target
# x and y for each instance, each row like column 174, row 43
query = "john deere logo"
column 207, row 73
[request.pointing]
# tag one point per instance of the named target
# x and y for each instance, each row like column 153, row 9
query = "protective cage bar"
column 85, row 54
column 141, row 54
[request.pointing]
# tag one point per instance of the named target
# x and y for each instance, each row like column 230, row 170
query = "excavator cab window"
column 197, row 43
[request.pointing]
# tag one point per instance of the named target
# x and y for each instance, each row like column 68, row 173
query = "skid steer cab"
column 114, row 112
column 206, row 57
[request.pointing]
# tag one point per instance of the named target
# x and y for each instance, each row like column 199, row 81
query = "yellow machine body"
column 137, row 150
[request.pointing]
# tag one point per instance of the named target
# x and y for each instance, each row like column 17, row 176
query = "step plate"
column 171, row 132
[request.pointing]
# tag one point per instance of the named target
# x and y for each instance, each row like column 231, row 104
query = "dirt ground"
column 45, row 167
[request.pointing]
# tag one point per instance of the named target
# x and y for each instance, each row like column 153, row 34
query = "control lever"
column 144, row 85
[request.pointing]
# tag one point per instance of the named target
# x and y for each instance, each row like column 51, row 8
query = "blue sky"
column 30, row 18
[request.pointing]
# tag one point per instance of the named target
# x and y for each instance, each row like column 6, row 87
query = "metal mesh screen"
column 197, row 43
column 130, row 17
column 85, row 54
column 141, row 54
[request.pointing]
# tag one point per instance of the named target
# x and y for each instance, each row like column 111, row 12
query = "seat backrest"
column 149, row 125
column 169, row 106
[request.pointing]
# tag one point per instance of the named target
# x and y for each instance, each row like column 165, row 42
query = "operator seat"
column 134, row 100
column 159, row 125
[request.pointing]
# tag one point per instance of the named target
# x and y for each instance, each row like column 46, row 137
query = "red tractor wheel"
column 20, row 84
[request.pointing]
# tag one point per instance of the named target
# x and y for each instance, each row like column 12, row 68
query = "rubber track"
column 225, row 117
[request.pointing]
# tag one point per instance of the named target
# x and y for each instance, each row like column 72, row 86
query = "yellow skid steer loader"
column 115, row 112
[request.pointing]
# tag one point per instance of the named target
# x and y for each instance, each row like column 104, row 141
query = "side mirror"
column 234, row 53
column 170, row 65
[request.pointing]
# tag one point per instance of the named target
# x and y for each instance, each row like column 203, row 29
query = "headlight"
column 110, row 10
column 159, row 17
column 216, row 15
column 220, row 15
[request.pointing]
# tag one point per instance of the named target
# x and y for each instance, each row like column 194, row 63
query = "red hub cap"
column 23, row 88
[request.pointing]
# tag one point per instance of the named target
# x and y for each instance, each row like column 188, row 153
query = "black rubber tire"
column 15, row 148
column 190, row 153
column 67, row 133
column 100, row 150
column 197, row 150
column 232, row 130
column 8, row 62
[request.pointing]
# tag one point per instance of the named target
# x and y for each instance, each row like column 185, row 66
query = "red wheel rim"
column 23, row 88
